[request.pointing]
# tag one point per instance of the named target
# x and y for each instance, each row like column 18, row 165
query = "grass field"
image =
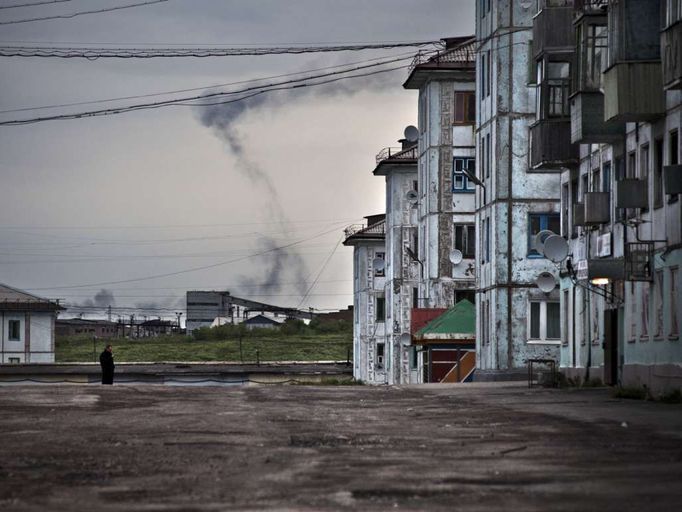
column 298, row 347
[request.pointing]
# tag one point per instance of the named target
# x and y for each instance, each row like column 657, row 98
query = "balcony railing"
column 362, row 229
column 466, row 53
column 589, row 6
column 397, row 153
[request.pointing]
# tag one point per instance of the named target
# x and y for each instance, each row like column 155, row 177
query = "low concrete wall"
column 659, row 378
column 183, row 374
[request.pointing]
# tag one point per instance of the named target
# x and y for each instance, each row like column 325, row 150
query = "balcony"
column 672, row 56
column 587, row 120
column 632, row 193
column 597, row 208
column 633, row 92
column 550, row 145
column 553, row 29
column 397, row 154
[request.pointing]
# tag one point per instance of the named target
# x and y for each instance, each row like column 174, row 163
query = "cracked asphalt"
column 435, row 447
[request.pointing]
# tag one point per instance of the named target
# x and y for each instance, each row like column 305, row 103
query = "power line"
column 81, row 13
column 194, row 269
column 290, row 84
column 16, row 6
column 151, row 53
column 202, row 88
column 324, row 265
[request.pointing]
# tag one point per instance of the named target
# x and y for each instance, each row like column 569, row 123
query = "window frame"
column 468, row 238
column 467, row 109
column 467, row 186
column 545, row 219
column 543, row 322
column 11, row 324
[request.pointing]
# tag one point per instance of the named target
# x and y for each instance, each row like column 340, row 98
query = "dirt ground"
column 462, row 447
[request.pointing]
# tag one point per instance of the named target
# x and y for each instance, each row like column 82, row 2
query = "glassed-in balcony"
column 671, row 49
column 552, row 27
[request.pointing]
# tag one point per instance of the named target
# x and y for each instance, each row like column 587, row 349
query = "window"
column 575, row 199
column 544, row 322
column 414, row 358
column 606, row 177
column 465, row 239
column 380, row 355
column 14, row 360
column 484, row 73
column 490, row 159
column 564, row 334
column 482, row 157
column 596, row 180
column 584, row 184
column 564, row 209
column 645, row 312
column 538, row 222
column 381, row 309
column 552, row 97
column 658, row 284
column 14, row 330
column 644, row 167
column 673, row 11
column 658, row 173
column 673, row 157
column 674, row 323
column 484, row 322
column 460, row 181
column 415, row 298
column 488, row 73
column 465, row 108
column 380, row 272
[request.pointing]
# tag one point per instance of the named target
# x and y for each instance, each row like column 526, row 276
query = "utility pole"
column 109, row 312
column 132, row 322
column 178, row 314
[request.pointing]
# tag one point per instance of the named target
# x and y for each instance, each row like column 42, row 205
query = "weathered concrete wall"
column 367, row 330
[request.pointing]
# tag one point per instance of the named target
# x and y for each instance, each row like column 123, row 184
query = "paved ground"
column 465, row 447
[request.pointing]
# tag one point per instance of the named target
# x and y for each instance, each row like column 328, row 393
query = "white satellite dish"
column 405, row 338
column 539, row 240
column 411, row 196
column 379, row 263
column 556, row 249
column 456, row 256
column 411, row 133
column 546, row 282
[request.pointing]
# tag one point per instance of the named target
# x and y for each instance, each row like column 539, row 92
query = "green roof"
column 458, row 322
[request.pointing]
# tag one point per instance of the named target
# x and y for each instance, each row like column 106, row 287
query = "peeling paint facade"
column 515, row 320
column 627, row 331
column 402, row 272
column 446, row 204
column 369, row 300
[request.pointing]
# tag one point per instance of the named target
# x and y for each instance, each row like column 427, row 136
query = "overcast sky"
column 160, row 191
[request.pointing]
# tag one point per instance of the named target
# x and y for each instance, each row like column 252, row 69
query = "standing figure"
column 106, row 361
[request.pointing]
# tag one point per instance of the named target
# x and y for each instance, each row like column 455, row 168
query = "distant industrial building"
column 84, row 326
column 210, row 308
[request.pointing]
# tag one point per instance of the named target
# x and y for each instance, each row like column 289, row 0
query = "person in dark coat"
column 106, row 361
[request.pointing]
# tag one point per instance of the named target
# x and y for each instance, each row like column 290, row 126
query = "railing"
column 397, row 153
column 375, row 229
column 465, row 53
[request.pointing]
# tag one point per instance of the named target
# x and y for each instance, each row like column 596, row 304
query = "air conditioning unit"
column 604, row 245
column 672, row 177
column 578, row 214
column 632, row 193
column 597, row 208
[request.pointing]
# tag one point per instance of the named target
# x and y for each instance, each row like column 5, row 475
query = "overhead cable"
column 44, row 2
column 149, row 53
column 200, row 100
column 81, row 13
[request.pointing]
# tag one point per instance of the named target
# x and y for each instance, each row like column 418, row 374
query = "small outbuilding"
column 449, row 341
column 261, row 322
column 27, row 325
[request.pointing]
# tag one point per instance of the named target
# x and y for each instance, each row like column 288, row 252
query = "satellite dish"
column 405, row 338
column 411, row 133
column 556, row 249
column 546, row 282
column 540, row 239
column 412, row 196
column 379, row 263
column 456, row 256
